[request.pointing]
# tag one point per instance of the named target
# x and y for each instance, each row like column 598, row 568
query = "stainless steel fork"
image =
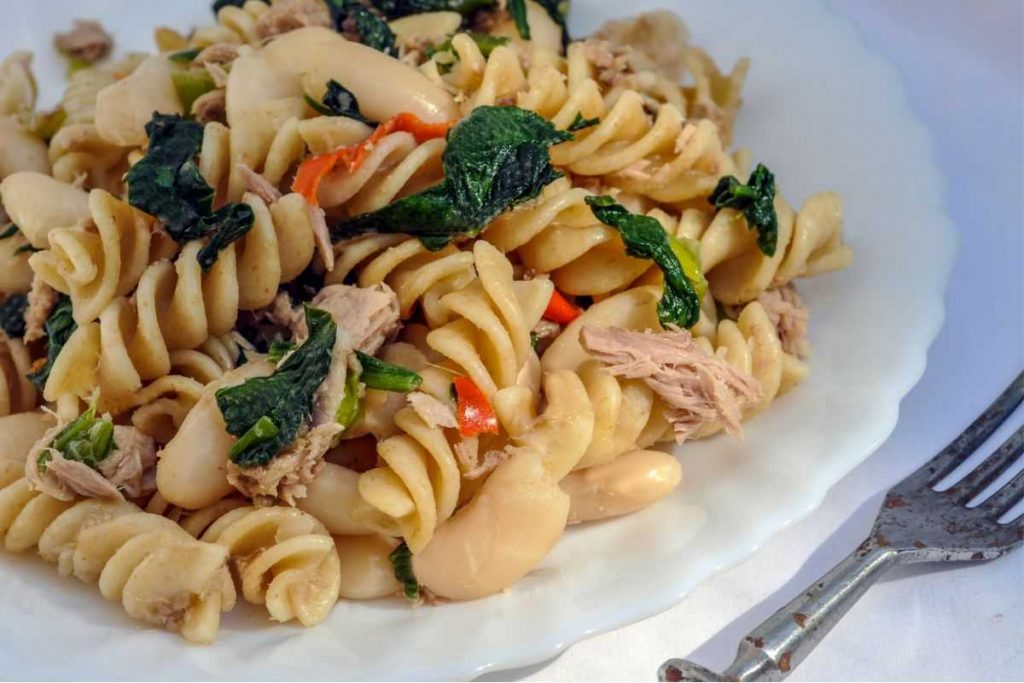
column 916, row 523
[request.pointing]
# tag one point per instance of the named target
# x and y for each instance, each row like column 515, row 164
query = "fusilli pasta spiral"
column 17, row 394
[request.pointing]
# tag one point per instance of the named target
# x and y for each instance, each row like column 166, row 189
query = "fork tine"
column 971, row 438
column 1005, row 498
column 989, row 470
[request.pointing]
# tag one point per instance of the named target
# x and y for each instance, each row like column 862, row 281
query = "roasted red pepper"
column 475, row 414
column 559, row 309
column 313, row 170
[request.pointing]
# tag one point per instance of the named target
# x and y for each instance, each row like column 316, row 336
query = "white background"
column 961, row 61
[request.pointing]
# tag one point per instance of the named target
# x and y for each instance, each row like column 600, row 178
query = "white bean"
column 626, row 484
column 124, row 107
column 20, row 150
column 329, row 498
column 366, row 571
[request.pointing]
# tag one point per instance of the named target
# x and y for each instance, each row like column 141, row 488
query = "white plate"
column 824, row 113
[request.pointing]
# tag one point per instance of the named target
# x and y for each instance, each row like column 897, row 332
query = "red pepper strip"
column 559, row 309
column 476, row 416
column 314, row 169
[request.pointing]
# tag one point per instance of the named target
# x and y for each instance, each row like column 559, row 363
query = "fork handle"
column 773, row 649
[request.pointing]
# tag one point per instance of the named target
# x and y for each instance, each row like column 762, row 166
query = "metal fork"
column 916, row 523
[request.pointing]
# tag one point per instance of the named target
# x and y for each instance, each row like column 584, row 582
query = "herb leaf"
column 756, row 200
column 218, row 5
column 12, row 315
column 380, row 374
column 645, row 238
column 278, row 350
column 26, row 248
column 556, row 9
column 59, row 328
column 184, row 56
column 373, row 31
column 394, row 9
column 579, row 123
column 166, row 183
column 496, row 158
column 87, row 440
column 401, row 561
column 285, row 398
column 10, row 231
column 263, row 430
column 339, row 101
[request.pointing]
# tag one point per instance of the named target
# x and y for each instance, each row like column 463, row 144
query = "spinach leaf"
column 59, row 328
column 263, row 430
column 279, row 349
column 229, row 223
column 12, row 315
column 218, row 5
column 10, row 231
column 645, row 238
column 26, row 248
column 394, row 9
column 380, row 374
column 496, row 158
column 373, row 31
column 339, row 101
column 166, row 183
column 756, row 200
column 401, row 561
column 87, row 440
column 556, row 9
column 284, row 398
column 580, row 123
column 184, row 56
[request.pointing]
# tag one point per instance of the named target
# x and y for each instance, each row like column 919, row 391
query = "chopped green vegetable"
column 218, row 5
column 191, row 84
column 279, row 349
column 350, row 408
column 59, row 326
column 339, row 101
column 25, row 248
column 401, row 561
column 184, row 56
column 285, row 397
column 394, row 9
column 45, row 125
column 645, row 238
column 579, row 123
column 87, row 440
column 688, row 252
column 263, row 430
column 12, row 315
column 167, row 184
column 373, row 31
column 756, row 200
column 380, row 374
column 10, row 231
column 556, row 9
column 227, row 224
column 496, row 158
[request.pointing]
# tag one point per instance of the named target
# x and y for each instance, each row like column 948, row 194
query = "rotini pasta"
column 17, row 393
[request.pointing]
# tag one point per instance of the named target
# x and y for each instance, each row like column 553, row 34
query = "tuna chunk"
column 434, row 412
column 86, row 41
column 288, row 15
column 258, row 185
column 41, row 300
column 129, row 469
column 787, row 312
column 285, row 477
column 699, row 389
column 366, row 316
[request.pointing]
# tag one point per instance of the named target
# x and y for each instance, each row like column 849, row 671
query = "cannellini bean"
column 425, row 25
column 192, row 470
column 329, row 498
column 366, row 571
column 20, row 150
column 124, row 107
column 501, row 534
column 628, row 483
column 38, row 203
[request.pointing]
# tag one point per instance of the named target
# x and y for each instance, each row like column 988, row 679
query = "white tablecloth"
column 962, row 63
